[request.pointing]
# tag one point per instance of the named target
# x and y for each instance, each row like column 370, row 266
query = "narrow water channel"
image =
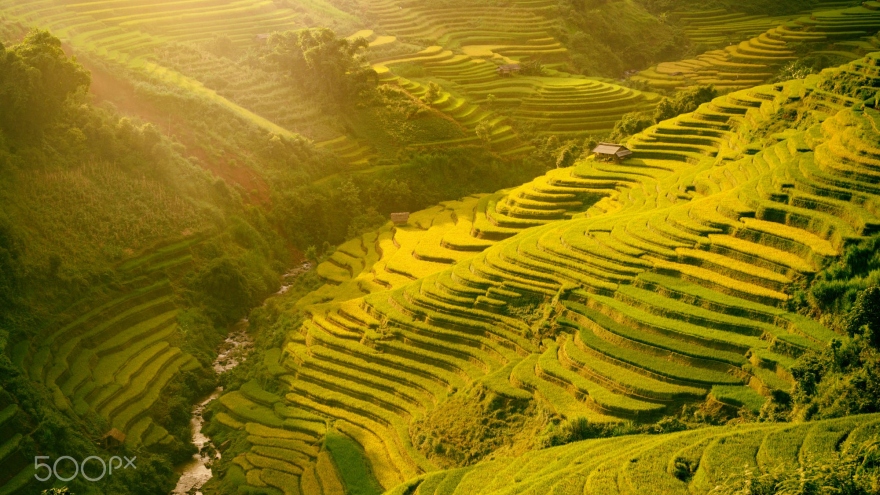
column 197, row 472
column 232, row 352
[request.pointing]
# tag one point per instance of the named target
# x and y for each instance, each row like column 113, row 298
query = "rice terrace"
column 366, row 247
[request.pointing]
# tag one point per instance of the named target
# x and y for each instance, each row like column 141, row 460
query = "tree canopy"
column 37, row 80
column 320, row 62
column 684, row 102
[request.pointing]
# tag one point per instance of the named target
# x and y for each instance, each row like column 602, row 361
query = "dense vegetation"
column 841, row 379
column 609, row 38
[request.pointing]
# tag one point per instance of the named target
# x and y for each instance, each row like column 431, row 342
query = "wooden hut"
column 612, row 152
column 113, row 439
column 508, row 70
column 400, row 218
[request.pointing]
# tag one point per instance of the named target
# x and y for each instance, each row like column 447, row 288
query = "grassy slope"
column 840, row 31
column 647, row 464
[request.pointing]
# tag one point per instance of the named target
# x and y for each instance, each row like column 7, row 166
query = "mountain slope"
column 691, row 462
column 625, row 290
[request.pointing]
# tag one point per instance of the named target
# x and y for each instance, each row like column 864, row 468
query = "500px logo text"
column 79, row 468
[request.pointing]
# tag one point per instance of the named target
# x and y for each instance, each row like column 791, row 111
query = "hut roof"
column 401, row 217
column 115, row 434
column 617, row 150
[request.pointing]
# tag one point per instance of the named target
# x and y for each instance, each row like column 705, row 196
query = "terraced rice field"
column 647, row 464
column 519, row 22
column 392, row 257
column 112, row 360
column 164, row 41
column 722, row 27
column 846, row 32
column 469, row 43
column 18, row 470
column 652, row 283
column 554, row 104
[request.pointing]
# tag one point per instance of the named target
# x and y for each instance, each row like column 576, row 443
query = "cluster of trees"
column 844, row 378
column 37, row 83
column 321, row 63
column 607, row 38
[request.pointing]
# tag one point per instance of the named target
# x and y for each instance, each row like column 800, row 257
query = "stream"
column 231, row 352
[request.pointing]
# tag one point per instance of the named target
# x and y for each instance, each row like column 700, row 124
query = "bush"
column 684, row 102
column 630, row 124
column 843, row 378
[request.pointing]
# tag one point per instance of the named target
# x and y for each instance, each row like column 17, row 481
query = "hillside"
column 678, row 463
column 616, row 292
column 112, row 249
column 822, row 37
column 457, row 45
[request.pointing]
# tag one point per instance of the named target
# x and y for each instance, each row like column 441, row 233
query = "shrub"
column 684, row 102
column 843, row 378
column 630, row 124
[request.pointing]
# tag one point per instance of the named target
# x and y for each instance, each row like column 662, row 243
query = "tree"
column 484, row 132
column 864, row 318
column 227, row 292
column 348, row 196
column 631, row 123
column 432, row 94
column 532, row 68
column 317, row 61
column 684, row 102
column 568, row 155
column 37, row 81
column 221, row 45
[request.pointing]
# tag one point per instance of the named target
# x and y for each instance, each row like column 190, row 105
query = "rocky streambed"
column 232, row 352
